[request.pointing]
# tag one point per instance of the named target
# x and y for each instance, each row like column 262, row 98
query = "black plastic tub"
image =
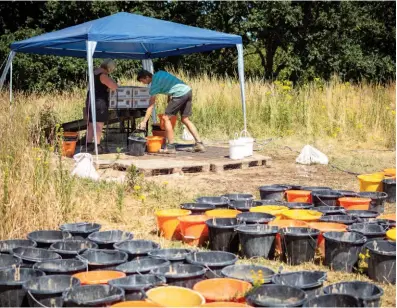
column 30, row 255
column 387, row 223
column 222, row 234
column 8, row 261
column 61, row 267
column 347, row 193
column 48, row 291
column 239, row 196
column 273, row 192
column 389, row 187
column 333, row 300
column 377, row 200
column 315, row 188
column 369, row 230
column 181, row 275
column 254, row 274
column 254, row 218
column 368, row 293
column 363, row 216
column 81, row 229
column 257, row 240
column 213, row 261
column 135, row 286
column 197, row 208
column 291, row 186
column 342, row 219
column 331, row 210
column 241, row 205
column 271, row 295
column 100, row 259
column 342, row 249
column 300, row 206
column 141, row 266
column 96, row 295
column 12, row 293
column 70, row 248
column 309, row 281
column 382, row 261
column 217, row 202
column 136, row 248
column 106, row 239
column 325, row 197
column 45, row 238
column 7, row 246
column 298, row 244
column 174, row 255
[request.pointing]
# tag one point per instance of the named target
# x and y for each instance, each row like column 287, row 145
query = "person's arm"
column 149, row 110
column 107, row 81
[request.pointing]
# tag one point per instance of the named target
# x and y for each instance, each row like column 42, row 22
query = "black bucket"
column 254, row 218
column 106, row 239
column 7, row 246
column 45, row 238
column 368, row 293
column 377, row 200
column 61, row 267
column 197, row 208
column 214, row 261
column 309, row 281
column 12, row 293
column 181, row 275
column 222, row 234
column 100, row 259
column 136, row 144
column 342, row 219
column 254, row 274
column 347, row 193
column 333, row 300
column 241, row 205
column 30, row 255
column 331, row 210
column 315, row 188
column 369, row 230
column 96, row 295
column 82, row 229
column 300, row 206
column 382, row 261
column 141, row 265
column 342, row 249
column 389, row 187
column 273, row 192
column 239, row 197
column 174, row 255
column 291, row 186
column 70, row 248
column 387, row 223
column 257, row 240
column 48, row 291
column 270, row 202
column 136, row 248
column 135, row 286
column 363, row 216
column 325, row 197
column 8, row 261
column 272, row 295
column 298, row 244
column 217, row 202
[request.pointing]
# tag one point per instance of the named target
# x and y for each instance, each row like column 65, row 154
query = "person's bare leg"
column 90, row 133
column 192, row 129
column 169, row 132
column 99, row 127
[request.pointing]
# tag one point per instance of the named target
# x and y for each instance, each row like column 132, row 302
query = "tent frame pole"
column 11, row 56
column 242, row 82
column 147, row 64
column 91, row 45
column 11, row 82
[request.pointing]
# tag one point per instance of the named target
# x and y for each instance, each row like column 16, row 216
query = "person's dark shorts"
column 182, row 105
column 102, row 111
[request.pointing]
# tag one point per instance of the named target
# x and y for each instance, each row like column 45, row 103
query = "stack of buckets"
column 380, row 181
column 241, row 147
column 158, row 140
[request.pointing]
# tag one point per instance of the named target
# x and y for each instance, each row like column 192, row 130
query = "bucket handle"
column 35, row 300
column 215, row 274
column 245, row 132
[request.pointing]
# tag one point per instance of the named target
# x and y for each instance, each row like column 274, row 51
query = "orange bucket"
column 223, row 290
column 98, row 277
column 303, row 196
column 194, row 231
column 162, row 122
column 168, row 223
column 135, row 304
column 355, row 203
column 153, row 143
column 326, row 227
column 224, row 304
column 69, row 143
column 160, row 133
column 388, row 216
column 222, row 213
column 285, row 224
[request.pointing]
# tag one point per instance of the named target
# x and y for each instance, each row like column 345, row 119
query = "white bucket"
column 236, row 149
column 248, row 142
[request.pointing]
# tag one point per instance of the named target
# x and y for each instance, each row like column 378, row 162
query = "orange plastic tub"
column 193, row 229
column 222, row 213
column 223, row 289
column 303, row 196
column 98, row 277
column 173, row 120
column 135, row 304
column 355, row 203
column 326, row 227
column 224, row 304
column 388, row 216
column 285, row 223
column 304, row 215
column 153, row 143
column 69, row 143
column 175, row 297
column 168, row 222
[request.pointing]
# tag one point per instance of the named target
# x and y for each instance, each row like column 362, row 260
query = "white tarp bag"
column 84, row 166
column 186, row 135
column 310, row 155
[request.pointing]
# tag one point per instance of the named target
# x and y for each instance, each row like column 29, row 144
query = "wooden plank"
column 254, row 161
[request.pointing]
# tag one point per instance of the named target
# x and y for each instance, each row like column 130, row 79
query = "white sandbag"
column 84, row 166
column 186, row 135
column 310, row 155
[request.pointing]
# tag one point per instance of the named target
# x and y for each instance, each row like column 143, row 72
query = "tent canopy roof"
column 127, row 36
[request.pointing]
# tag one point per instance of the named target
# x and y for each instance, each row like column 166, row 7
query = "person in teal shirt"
column 179, row 101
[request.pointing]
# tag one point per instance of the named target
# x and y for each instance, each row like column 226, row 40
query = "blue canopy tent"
column 126, row 36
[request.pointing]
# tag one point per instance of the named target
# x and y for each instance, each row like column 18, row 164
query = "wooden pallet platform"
column 254, row 161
